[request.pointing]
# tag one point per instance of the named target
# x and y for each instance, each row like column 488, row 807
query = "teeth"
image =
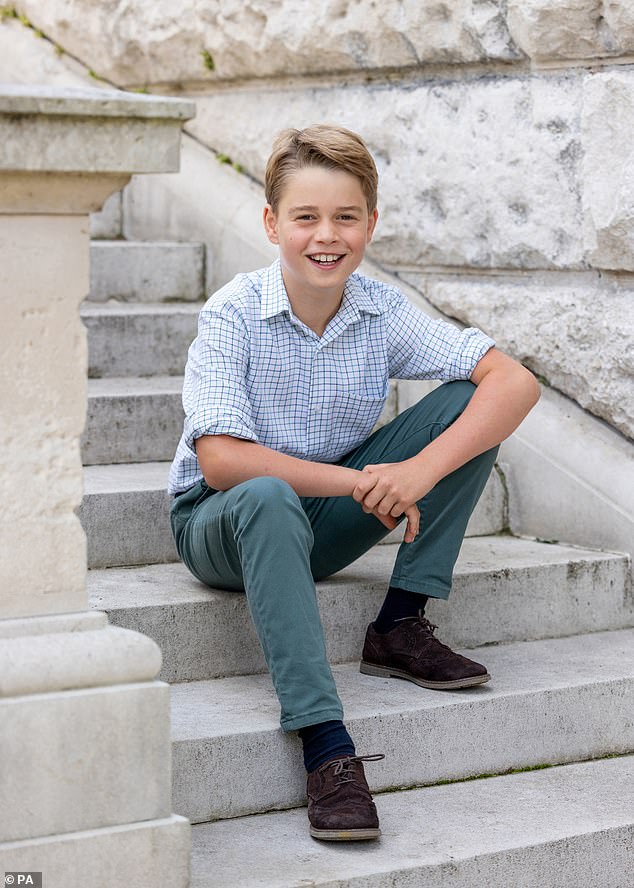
column 325, row 257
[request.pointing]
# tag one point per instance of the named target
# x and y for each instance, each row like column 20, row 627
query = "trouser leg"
column 257, row 537
column 343, row 531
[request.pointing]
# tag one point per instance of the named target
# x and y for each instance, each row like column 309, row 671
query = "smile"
column 326, row 260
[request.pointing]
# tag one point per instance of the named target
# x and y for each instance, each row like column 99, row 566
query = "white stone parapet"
column 63, row 152
column 84, row 725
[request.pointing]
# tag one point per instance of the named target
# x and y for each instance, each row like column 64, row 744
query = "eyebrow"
column 307, row 207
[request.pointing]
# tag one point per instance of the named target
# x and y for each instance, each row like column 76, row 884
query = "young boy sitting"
column 278, row 480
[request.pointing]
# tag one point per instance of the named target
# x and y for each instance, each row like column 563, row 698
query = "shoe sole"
column 386, row 672
column 344, row 835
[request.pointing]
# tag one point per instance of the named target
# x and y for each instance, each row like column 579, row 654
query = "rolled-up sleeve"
column 420, row 347
column 214, row 394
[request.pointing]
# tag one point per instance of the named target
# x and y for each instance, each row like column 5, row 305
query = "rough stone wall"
column 501, row 129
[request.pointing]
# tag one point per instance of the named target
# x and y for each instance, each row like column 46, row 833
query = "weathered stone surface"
column 146, row 854
column 82, row 130
column 26, row 58
column 570, row 477
column 213, row 40
column 158, row 43
column 146, row 272
column 84, row 759
column 535, row 711
column 502, row 592
column 138, row 339
column 608, row 165
column 576, row 332
column 106, row 224
column 480, row 173
column 562, row 30
column 569, row 827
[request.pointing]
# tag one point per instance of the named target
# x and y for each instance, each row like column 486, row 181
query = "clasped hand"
column 388, row 491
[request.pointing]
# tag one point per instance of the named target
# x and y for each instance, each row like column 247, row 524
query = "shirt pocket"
column 355, row 414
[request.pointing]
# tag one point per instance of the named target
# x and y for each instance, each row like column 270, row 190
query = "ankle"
column 325, row 741
column 398, row 604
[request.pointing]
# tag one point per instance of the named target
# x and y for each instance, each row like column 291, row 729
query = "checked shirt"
column 256, row 372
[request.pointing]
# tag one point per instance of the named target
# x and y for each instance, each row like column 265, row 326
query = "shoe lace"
column 343, row 768
column 420, row 620
column 426, row 627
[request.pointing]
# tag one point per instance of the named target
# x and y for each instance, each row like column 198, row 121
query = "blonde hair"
column 323, row 145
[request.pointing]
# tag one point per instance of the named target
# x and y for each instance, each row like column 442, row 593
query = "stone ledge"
column 73, row 130
column 148, row 854
column 577, row 331
column 80, row 621
column 61, row 661
column 75, row 101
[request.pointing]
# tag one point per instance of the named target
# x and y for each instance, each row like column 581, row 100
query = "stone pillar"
column 85, row 774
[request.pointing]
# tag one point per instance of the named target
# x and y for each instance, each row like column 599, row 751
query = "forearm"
column 226, row 461
column 499, row 404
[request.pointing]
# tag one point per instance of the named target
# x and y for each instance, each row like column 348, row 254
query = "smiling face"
column 322, row 226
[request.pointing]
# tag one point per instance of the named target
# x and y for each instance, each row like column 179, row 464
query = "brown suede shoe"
column 410, row 650
column 340, row 807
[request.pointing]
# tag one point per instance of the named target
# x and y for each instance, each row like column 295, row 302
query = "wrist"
column 428, row 470
column 348, row 478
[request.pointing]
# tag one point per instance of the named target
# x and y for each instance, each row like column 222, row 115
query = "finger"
column 373, row 467
column 413, row 524
column 374, row 497
column 389, row 506
column 387, row 521
column 364, row 486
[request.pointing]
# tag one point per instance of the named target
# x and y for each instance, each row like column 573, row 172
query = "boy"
column 279, row 481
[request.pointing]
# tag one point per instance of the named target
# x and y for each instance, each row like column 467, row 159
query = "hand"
column 387, row 491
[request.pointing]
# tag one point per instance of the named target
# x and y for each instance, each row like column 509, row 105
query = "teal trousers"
column 261, row 538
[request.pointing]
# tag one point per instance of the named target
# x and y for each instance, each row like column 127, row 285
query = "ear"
column 270, row 224
column 372, row 219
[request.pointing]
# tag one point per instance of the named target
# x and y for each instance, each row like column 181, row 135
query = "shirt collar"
column 275, row 298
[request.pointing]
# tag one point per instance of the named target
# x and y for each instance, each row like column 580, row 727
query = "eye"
column 346, row 217
column 305, row 217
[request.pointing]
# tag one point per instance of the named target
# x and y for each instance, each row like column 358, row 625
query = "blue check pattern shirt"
column 256, row 372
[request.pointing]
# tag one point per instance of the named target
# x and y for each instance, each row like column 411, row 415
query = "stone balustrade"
column 85, row 796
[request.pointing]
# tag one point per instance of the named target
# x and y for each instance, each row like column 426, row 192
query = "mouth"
column 326, row 260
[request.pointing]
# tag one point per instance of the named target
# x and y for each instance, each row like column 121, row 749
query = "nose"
column 326, row 232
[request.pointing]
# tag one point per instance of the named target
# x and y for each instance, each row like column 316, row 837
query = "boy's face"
column 322, row 226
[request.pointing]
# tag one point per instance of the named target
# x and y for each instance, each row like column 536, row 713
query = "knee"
column 271, row 506
column 270, row 500
column 267, row 490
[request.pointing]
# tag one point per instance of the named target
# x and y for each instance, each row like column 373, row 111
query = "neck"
column 315, row 316
column 314, row 310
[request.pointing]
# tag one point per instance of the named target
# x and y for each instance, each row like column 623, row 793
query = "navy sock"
column 398, row 603
column 325, row 741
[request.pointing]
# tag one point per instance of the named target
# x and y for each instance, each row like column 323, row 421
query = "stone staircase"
column 554, row 618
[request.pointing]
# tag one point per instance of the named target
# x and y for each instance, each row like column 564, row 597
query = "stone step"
column 119, row 500
column 129, row 419
column 505, row 589
column 141, row 419
column 135, row 271
column 565, row 827
column 136, row 339
column 124, row 512
column 548, row 702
